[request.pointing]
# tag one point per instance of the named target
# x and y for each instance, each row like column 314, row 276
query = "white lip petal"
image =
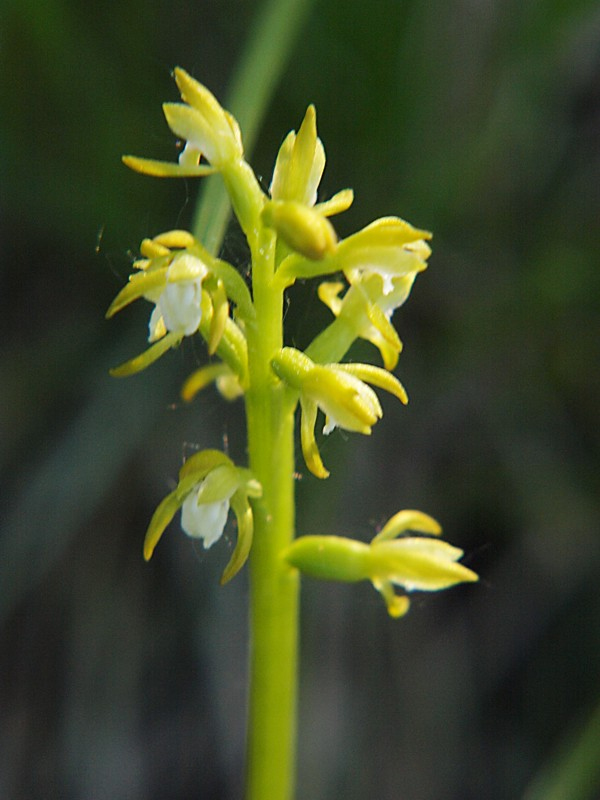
column 179, row 305
column 205, row 521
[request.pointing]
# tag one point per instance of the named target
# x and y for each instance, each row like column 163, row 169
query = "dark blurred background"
column 479, row 120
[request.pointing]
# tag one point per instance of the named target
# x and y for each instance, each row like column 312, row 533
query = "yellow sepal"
column 148, row 357
column 167, row 169
column 140, row 284
column 377, row 377
column 408, row 520
column 245, row 521
column 310, row 451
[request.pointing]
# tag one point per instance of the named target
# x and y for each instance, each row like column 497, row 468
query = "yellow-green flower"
column 340, row 391
column 191, row 291
column 388, row 247
column 209, row 485
column 208, row 130
column 367, row 310
column 172, row 280
column 414, row 563
column 293, row 212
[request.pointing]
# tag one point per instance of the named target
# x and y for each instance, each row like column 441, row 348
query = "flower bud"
column 300, row 164
column 301, row 228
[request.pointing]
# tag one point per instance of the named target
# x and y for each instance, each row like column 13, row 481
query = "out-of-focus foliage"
column 479, row 121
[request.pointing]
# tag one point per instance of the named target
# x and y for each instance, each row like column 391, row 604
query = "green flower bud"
column 300, row 164
column 302, row 228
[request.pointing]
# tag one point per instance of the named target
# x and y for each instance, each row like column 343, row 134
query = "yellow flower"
column 388, row 247
column 209, row 484
column 172, row 280
column 340, row 391
column 191, row 291
column 207, row 128
column 368, row 310
column 292, row 212
column 300, row 164
column 414, row 563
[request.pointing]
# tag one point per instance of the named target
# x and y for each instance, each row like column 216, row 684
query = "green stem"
column 270, row 420
column 273, row 586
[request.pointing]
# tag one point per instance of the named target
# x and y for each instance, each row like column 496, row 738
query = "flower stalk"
column 274, row 590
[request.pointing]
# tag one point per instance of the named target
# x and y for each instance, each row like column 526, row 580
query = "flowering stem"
column 290, row 237
column 274, row 587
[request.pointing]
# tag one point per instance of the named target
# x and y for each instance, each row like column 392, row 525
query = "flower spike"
column 290, row 237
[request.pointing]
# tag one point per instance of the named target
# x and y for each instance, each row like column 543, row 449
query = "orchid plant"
column 369, row 275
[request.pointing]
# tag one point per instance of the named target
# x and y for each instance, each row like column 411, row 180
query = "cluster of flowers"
column 193, row 292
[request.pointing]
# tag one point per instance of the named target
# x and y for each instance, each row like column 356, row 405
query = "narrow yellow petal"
column 341, row 201
column 200, row 464
column 408, row 520
column 202, row 99
column 139, row 284
column 328, row 293
column 219, row 484
column 377, row 377
column 175, row 238
column 397, row 604
column 167, row 169
column 164, row 513
column 243, row 512
column 200, row 379
column 150, row 248
column 386, row 232
column 419, row 563
column 148, row 357
column 379, row 320
column 310, row 451
column 191, row 125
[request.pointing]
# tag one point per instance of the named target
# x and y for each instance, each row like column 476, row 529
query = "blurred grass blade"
column 268, row 48
column 574, row 773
